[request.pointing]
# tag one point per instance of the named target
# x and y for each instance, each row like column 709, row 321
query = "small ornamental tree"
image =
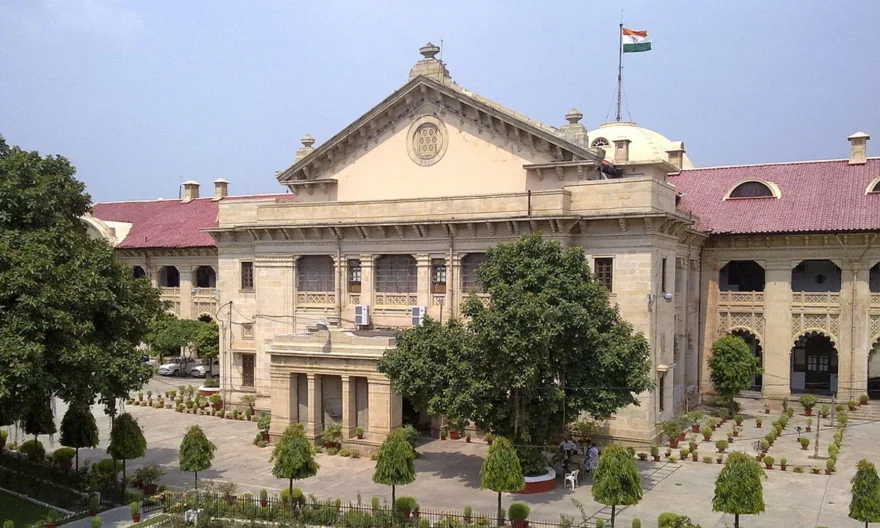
column 126, row 440
column 78, row 428
column 738, row 488
column 865, row 503
column 38, row 419
column 501, row 471
column 196, row 452
column 395, row 463
column 617, row 481
column 292, row 457
column 731, row 368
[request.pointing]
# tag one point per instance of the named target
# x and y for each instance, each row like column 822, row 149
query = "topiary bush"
column 33, row 449
column 518, row 511
column 64, row 455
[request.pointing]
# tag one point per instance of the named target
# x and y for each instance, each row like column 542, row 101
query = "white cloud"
column 104, row 18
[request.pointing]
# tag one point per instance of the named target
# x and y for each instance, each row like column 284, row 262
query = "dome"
column 645, row 145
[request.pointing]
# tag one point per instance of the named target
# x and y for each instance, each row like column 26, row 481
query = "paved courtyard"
column 448, row 473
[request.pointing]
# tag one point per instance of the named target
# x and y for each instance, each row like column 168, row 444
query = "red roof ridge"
column 179, row 200
column 768, row 164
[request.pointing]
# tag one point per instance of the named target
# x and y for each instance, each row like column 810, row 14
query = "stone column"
column 349, row 407
column 423, row 272
column 315, row 418
column 454, row 297
column 187, row 283
column 283, row 395
column 368, row 283
column 342, row 287
column 338, row 281
column 386, row 409
column 710, row 292
column 853, row 342
column 778, row 340
column 153, row 272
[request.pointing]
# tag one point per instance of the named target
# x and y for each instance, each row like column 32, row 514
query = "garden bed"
column 21, row 512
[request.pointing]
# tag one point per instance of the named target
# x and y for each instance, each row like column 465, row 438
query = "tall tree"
column 37, row 417
column 170, row 335
column 738, row 488
column 548, row 347
column 617, row 481
column 78, row 428
column 292, row 457
column 501, row 471
column 865, row 503
column 126, row 440
column 395, row 463
column 731, row 368
column 196, row 452
column 71, row 316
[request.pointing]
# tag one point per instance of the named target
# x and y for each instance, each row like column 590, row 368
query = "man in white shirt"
column 593, row 454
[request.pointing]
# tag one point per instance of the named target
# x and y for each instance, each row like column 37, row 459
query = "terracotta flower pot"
column 808, row 412
column 695, row 428
column 468, row 440
column 766, row 411
column 809, row 429
column 758, row 425
column 442, row 436
column 65, row 465
column 768, row 466
column 216, row 406
column 264, row 502
column 50, row 524
column 136, row 518
column 656, row 458
column 719, row 461
column 706, row 438
column 453, row 435
column 151, row 489
column 828, row 471
column 92, row 513
column 804, row 448
column 782, row 467
column 694, row 458
column 360, row 436
column 520, row 524
column 736, row 433
column 681, row 436
column 673, row 443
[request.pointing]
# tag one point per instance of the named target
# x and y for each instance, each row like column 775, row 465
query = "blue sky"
column 141, row 96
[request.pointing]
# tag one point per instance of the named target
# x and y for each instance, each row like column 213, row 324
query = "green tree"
column 617, row 481
column 865, row 503
column 395, row 463
column 37, row 417
column 731, row 367
column 501, row 471
column 169, row 335
column 548, row 347
column 71, row 315
column 292, row 457
column 196, row 452
column 78, row 428
column 738, row 488
column 126, row 440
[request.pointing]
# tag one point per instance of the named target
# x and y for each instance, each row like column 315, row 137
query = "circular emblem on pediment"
column 427, row 141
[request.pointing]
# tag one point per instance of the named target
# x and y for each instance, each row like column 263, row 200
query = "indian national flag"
column 634, row 41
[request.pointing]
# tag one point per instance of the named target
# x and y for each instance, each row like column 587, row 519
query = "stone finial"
column 574, row 130
column 858, row 148
column 221, row 189
column 574, row 116
column 429, row 50
column 190, row 191
column 306, row 149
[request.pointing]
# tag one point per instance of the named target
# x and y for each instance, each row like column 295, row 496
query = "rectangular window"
column 396, row 274
column 604, row 268
column 354, row 276
column 247, row 369
column 661, row 391
column 663, row 275
column 315, row 273
column 247, row 275
column 469, row 265
column 438, row 276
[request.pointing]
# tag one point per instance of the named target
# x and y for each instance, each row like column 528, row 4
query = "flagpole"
column 619, row 68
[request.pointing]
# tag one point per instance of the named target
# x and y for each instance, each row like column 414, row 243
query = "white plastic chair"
column 572, row 478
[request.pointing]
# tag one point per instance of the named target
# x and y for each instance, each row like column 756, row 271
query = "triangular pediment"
column 453, row 105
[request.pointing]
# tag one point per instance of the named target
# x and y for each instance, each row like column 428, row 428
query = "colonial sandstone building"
column 397, row 210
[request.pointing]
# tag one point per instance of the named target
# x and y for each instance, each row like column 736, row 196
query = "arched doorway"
column 814, row 364
column 756, row 348
column 874, row 371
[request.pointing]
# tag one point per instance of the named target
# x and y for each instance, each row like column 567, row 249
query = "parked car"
column 175, row 368
column 203, row 368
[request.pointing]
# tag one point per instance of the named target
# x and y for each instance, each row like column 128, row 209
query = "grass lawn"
column 21, row 512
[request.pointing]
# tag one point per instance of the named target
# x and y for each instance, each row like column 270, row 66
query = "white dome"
column 645, row 145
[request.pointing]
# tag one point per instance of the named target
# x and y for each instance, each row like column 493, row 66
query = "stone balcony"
column 815, row 299
column 736, row 298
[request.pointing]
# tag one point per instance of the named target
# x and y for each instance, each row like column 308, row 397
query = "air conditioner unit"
column 418, row 315
column 362, row 315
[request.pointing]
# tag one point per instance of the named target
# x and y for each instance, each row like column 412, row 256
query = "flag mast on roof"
column 631, row 41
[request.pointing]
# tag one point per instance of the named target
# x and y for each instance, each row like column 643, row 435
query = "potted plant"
column 692, row 445
column 766, row 408
column 468, row 514
column 738, row 419
column 140, row 396
column 51, row 519
column 824, row 410
column 768, row 462
column 489, row 438
column 730, row 437
column 64, row 457
column 785, row 404
column 829, row 466
column 707, row 459
column 783, row 463
column 765, row 446
column 248, row 413
column 759, row 422
column 332, row 436
column 719, row 459
column 671, row 429
column 444, row 430
column 467, row 438
column 216, row 402
column 696, row 418
column 33, row 450
column 97, row 522
column 94, row 504
column 248, row 401
column 264, row 498
column 454, row 431
column 815, row 470
column 135, row 509
column 852, row 404
column 805, row 443
column 864, row 399
column 712, row 422
column 264, row 422
column 359, row 432
column 721, row 445
column 518, row 513
column 707, row 434
column 148, row 477
column 684, row 452
column 694, row 456
column 655, row 452
column 809, row 424
column 808, row 401
column 406, row 506
column 668, row 452
column 736, row 431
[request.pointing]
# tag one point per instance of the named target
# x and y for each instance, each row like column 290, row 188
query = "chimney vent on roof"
column 858, row 148
column 190, row 191
column 676, row 154
column 221, row 189
column 621, row 150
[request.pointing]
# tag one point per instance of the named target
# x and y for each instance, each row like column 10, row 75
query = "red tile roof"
column 169, row 223
column 816, row 196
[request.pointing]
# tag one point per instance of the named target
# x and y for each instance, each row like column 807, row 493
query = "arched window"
column 875, row 188
column 314, row 273
column 138, row 272
column 469, row 265
column 396, row 274
column 206, row 277
column 169, row 277
column 751, row 189
column 600, row 142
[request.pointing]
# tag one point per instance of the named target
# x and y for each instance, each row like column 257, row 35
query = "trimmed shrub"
column 64, row 455
column 518, row 511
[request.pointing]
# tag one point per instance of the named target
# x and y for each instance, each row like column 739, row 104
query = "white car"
column 173, row 369
column 204, row 368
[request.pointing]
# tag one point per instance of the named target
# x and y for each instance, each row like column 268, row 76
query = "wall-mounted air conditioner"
column 362, row 315
column 418, row 315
